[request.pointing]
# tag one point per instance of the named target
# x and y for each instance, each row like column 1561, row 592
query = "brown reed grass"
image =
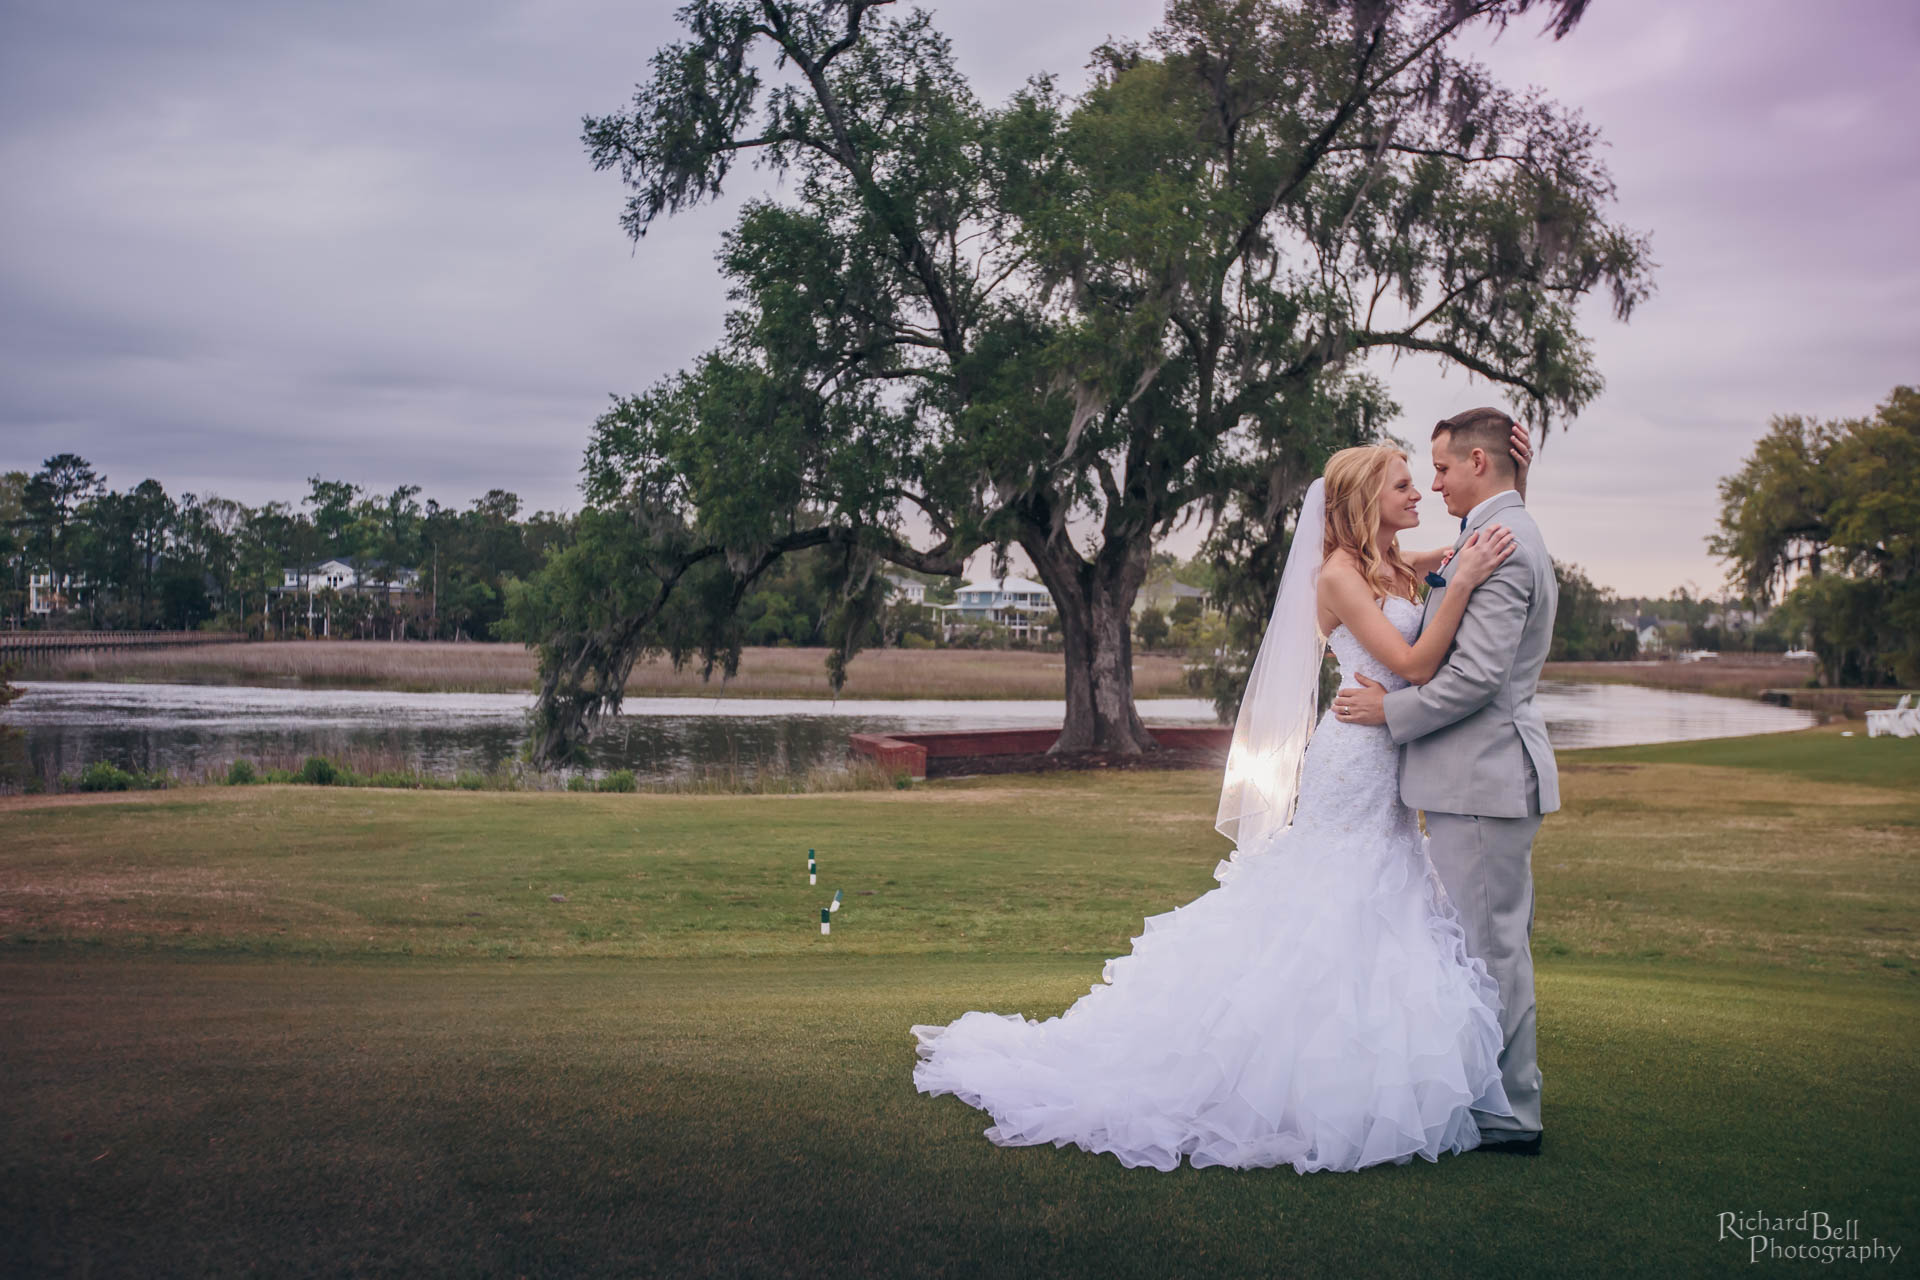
column 1732, row 674
column 386, row 768
column 440, row 667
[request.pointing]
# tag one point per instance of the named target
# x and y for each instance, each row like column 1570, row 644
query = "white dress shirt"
column 1480, row 506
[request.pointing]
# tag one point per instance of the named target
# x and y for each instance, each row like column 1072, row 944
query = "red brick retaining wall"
column 909, row 752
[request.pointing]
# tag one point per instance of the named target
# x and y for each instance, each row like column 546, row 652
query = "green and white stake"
column 835, row 905
column 826, row 926
column 812, row 878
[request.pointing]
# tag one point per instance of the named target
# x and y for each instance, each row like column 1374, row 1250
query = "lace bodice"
column 1350, row 779
column 1353, row 656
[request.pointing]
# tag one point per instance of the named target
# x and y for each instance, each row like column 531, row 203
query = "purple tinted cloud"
column 248, row 243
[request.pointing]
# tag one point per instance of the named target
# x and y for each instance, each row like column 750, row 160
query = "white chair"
column 1901, row 722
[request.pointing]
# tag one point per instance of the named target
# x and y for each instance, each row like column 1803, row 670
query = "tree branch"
column 1408, row 342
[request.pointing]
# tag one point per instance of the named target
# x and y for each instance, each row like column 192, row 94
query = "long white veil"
column 1277, row 712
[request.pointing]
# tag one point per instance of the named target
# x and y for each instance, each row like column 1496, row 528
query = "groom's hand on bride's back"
column 1365, row 705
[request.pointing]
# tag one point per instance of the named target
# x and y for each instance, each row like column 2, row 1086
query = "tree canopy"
column 142, row 557
column 1829, row 514
column 1064, row 324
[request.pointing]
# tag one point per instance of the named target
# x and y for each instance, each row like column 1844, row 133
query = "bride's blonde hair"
column 1355, row 478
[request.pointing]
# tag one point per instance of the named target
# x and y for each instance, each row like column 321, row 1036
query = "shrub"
column 467, row 780
column 103, row 776
column 318, row 771
column 399, row 779
column 913, row 641
column 619, row 780
column 1151, row 629
column 241, row 773
column 579, row 782
column 981, row 635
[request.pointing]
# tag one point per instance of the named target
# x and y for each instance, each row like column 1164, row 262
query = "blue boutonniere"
column 1435, row 580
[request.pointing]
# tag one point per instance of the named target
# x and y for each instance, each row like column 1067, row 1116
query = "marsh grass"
column 416, row 666
column 387, row 769
column 306, row 1030
column 1740, row 675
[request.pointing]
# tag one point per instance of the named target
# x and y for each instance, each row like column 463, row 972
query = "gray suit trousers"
column 1486, row 865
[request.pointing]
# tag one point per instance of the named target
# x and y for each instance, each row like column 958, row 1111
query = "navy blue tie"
column 1463, row 523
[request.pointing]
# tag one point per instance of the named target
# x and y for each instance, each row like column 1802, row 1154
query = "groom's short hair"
column 1488, row 430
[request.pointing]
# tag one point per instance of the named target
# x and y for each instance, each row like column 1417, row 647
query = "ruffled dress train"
column 1318, row 1009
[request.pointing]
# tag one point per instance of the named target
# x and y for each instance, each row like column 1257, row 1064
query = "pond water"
column 185, row 729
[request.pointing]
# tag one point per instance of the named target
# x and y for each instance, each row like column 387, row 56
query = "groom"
column 1474, row 752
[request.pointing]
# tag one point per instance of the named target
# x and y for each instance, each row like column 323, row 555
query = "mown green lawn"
column 292, row 1031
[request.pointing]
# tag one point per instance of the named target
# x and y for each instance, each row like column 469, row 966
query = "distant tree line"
column 143, row 558
column 1825, row 517
column 1585, row 626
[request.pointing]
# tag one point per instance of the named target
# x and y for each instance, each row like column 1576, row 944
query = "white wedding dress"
column 1318, row 1009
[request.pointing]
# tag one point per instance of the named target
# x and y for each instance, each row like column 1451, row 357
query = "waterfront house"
column 1163, row 592
column 905, row 590
column 352, row 574
column 1021, row 605
column 346, row 575
column 44, row 599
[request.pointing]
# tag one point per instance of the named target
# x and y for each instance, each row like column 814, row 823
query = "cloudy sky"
column 248, row 242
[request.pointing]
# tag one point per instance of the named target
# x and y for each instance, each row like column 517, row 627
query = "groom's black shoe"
column 1514, row 1147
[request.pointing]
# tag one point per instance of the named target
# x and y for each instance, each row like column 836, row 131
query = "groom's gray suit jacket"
column 1471, row 731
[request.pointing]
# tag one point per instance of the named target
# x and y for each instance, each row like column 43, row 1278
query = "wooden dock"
column 14, row 643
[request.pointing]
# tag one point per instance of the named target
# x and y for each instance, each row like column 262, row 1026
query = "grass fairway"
column 293, row 1031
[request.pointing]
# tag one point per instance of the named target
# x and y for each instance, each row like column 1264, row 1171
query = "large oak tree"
column 1063, row 324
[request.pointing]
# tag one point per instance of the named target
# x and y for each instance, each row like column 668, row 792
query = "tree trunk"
column 1095, row 602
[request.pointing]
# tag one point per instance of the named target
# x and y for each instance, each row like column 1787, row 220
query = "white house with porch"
column 350, row 573
column 346, row 575
column 44, row 599
column 906, row 590
column 1021, row 605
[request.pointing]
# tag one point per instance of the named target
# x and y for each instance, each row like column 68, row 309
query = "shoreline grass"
column 442, row 667
column 881, row 674
column 388, row 770
column 301, row 1030
column 1732, row 675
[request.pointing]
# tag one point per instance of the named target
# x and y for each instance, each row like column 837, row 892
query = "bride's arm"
column 1426, row 562
column 1347, row 596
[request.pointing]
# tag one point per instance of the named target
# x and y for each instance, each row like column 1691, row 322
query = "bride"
column 1319, row 1007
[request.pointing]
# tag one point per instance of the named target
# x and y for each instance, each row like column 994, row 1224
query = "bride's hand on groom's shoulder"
column 1481, row 554
column 1520, row 444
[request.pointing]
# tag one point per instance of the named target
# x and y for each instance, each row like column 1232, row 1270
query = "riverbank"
column 185, row 733
column 435, row 667
column 510, row 1033
column 1781, row 681
column 890, row 674
column 1740, row 675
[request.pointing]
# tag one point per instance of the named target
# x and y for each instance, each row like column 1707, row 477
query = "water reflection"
column 186, row 729
column 1624, row 715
